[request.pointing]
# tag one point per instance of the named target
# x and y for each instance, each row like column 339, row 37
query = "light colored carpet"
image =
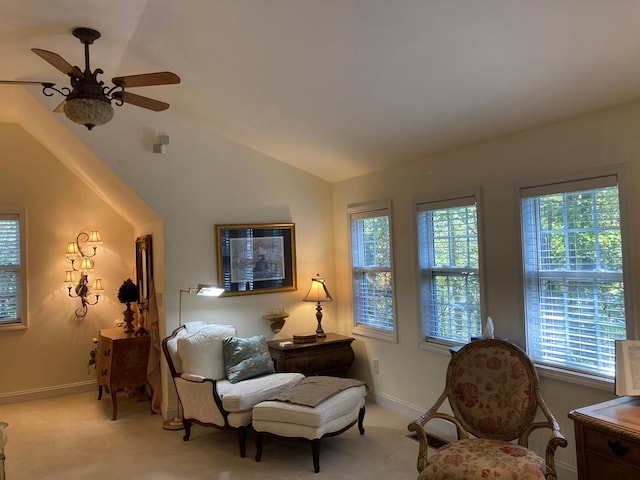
column 72, row 437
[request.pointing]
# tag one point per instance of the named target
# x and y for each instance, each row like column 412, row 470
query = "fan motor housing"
column 86, row 35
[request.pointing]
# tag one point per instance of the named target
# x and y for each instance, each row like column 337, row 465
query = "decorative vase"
column 128, row 319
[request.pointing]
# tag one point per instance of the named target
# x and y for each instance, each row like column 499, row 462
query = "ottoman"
column 330, row 417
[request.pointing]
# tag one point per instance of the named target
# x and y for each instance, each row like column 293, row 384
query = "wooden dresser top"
column 621, row 414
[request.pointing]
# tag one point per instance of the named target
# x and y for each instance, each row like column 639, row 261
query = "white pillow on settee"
column 201, row 351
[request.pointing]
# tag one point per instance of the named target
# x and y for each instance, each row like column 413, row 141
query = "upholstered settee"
column 196, row 360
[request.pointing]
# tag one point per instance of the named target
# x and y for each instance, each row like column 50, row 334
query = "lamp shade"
column 97, row 286
column 86, row 266
column 69, row 279
column 94, row 238
column 88, row 111
column 209, row 290
column 72, row 251
column 318, row 291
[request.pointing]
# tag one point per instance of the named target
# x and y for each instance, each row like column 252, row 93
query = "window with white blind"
column 372, row 272
column 573, row 273
column 449, row 262
column 12, row 270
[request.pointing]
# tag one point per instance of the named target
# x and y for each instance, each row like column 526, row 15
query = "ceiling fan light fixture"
column 88, row 111
column 88, row 101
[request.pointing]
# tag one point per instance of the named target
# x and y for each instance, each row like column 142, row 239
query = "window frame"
column 22, row 322
column 580, row 181
column 437, row 203
column 368, row 210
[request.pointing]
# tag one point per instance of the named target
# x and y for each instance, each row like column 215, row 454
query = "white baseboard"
column 47, row 392
column 564, row 470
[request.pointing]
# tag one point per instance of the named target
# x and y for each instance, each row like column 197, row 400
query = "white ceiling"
column 340, row 88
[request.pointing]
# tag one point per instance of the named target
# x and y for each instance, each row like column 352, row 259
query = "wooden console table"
column 608, row 439
column 332, row 355
column 121, row 361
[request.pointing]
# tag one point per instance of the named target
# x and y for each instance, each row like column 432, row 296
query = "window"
column 573, row 267
column 12, row 270
column 449, row 262
column 372, row 271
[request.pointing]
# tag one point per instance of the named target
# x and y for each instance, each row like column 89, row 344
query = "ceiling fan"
column 88, row 101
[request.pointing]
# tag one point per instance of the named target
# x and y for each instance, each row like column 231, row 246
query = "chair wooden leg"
column 315, row 451
column 258, row 446
column 187, row 429
column 361, row 420
column 242, row 440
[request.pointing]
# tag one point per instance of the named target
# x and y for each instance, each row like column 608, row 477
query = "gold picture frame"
column 256, row 258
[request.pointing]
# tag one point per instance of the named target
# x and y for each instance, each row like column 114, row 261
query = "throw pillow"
column 246, row 358
column 201, row 351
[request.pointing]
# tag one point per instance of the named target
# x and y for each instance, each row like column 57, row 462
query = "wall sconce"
column 81, row 261
column 318, row 293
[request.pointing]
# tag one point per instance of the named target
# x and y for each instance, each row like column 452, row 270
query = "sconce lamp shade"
column 97, row 286
column 72, row 251
column 87, row 265
column 69, row 279
column 94, row 238
column 318, row 293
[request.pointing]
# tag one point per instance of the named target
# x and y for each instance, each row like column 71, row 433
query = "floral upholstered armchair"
column 493, row 391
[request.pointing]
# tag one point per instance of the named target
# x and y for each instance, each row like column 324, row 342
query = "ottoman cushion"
column 292, row 420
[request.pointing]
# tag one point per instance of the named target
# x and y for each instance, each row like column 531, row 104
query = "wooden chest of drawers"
column 608, row 440
column 121, row 361
column 332, row 355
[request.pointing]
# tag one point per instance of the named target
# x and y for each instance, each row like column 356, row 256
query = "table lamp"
column 318, row 293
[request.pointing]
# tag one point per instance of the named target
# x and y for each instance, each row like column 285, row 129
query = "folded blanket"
column 311, row 391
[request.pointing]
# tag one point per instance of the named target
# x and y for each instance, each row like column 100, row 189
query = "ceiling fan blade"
column 140, row 101
column 146, row 79
column 59, row 62
column 26, row 82
column 60, row 107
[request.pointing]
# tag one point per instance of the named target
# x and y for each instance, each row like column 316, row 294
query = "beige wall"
column 52, row 353
column 178, row 197
column 411, row 378
column 204, row 180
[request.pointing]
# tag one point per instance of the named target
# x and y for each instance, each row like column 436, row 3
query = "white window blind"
column 448, row 251
column 573, row 266
column 370, row 227
column 10, row 269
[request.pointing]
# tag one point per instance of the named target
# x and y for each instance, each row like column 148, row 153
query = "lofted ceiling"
column 340, row 88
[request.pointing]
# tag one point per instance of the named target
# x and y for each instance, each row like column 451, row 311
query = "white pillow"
column 201, row 351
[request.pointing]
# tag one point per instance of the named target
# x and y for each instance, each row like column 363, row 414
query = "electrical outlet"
column 375, row 364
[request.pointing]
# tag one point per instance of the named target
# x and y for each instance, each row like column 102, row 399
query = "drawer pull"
column 617, row 448
column 107, row 352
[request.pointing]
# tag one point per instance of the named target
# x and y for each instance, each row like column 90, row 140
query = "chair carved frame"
column 465, row 430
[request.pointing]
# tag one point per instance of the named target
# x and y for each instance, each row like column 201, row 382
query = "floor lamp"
column 203, row 291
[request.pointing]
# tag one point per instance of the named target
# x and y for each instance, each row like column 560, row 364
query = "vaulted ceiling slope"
column 340, row 88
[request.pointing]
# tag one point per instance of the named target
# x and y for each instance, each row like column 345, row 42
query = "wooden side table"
column 608, row 439
column 121, row 361
column 332, row 356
